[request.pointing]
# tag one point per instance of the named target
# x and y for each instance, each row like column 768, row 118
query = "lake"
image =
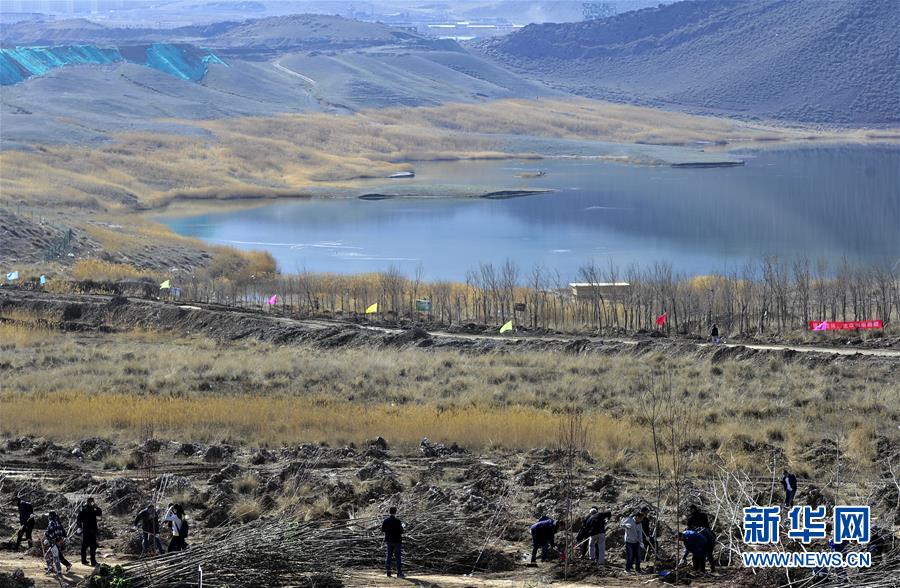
column 823, row 203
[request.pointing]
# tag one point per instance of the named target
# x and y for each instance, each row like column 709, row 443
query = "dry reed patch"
column 74, row 415
column 15, row 334
column 77, row 385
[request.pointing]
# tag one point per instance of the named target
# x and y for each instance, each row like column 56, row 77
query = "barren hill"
column 307, row 31
column 294, row 63
column 277, row 32
column 805, row 60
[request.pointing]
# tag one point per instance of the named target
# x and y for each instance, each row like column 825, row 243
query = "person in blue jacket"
column 700, row 544
column 543, row 536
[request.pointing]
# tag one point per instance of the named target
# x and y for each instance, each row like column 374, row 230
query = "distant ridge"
column 803, row 60
column 297, row 31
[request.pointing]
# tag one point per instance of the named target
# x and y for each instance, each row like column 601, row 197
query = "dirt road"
column 277, row 65
column 633, row 341
column 93, row 312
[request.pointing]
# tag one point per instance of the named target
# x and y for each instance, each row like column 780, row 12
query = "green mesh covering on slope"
column 186, row 62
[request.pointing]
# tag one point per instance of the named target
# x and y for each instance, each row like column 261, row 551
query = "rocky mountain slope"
column 804, row 60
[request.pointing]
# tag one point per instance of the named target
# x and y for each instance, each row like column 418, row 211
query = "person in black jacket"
column 789, row 482
column 597, row 536
column 697, row 519
column 392, row 528
column 26, row 519
column 148, row 522
column 581, row 538
column 714, row 335
column 87, row 524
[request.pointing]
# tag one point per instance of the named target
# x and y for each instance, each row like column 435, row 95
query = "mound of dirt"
column 262, row 456
column 227, row 473
column 823, row 454
column 18, row 444
column 15, row 579
column 124, row 496
column 216, row 453
column 129, row 543
column 77, row 482
column 175, row 483
column 378, row 442
column 188, row 450
column 430, row 449
column 485, row 479
column 42, row 447
column 341, row 494
column 152, row 445
column 494, row 560
column 375, row 471
column 415, row 336
column 95, row 448
column 379, row 488
column 532, row 475
column 608, row 486
column 219, row 499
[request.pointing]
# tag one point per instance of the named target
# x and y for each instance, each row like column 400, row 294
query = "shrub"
column 246, row 510
column 97, row 269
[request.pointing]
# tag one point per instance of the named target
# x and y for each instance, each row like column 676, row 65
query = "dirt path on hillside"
column 635, row 341
column 277, row 65
column 85, row 312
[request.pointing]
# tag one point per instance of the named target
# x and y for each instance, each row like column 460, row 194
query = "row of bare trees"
column 768, row 296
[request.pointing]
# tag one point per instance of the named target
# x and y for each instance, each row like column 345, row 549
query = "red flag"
column 661, row 319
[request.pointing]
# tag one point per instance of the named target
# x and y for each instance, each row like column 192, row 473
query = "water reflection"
column 822, row 203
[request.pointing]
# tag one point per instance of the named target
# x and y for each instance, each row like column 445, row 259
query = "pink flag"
column 271, row 301
column 823, row 326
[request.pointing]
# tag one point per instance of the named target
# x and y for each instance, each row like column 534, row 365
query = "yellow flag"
column 507, row 327
column 372, row 309
column 165, row 285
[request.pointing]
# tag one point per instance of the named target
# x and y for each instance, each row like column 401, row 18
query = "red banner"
column 844, row 325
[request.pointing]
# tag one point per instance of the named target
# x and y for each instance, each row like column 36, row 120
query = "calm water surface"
column 822, row 203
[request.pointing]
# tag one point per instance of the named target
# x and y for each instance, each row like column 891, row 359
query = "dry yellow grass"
column 246, row 509
column 286, row 154
column 14, row 335
column 96, row 269
column 146, row 249
column 266, row 419
column 69, row 386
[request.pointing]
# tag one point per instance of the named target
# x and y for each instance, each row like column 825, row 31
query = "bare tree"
column 652, row 396
column 572, row 439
